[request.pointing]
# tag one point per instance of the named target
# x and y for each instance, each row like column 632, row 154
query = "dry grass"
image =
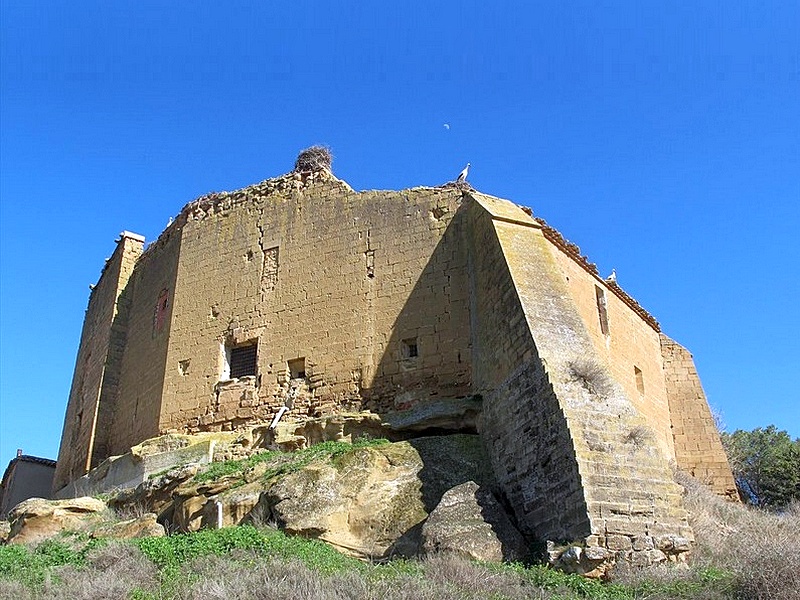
column 757, row 545
column 592, row 376
column 742, row 553
column 112, row 572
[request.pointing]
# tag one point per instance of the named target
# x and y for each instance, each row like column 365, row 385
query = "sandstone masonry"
column 301, row 297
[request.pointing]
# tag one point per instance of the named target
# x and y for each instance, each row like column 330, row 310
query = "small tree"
column 765, row 464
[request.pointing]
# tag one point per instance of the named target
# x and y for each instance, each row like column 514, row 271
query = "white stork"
column 463, row 175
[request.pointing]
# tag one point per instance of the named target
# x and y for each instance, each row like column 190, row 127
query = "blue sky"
column 661, row 137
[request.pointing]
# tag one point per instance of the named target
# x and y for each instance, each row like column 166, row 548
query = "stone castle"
column 300, row 297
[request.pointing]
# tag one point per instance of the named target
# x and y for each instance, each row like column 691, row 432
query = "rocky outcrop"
column 36, row 519
column 363, row 504
column 471, row 522
column 371, row 501
column 441, row 417
column 144, row 526
column 368, row 502
column 5, row 529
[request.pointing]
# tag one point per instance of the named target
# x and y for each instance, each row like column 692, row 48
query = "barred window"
column 243, row 360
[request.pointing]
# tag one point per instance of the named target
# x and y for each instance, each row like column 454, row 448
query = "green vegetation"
column 177, row 550
column 281, row 463
column 766, row 466
column 742, row 552
column 245, row 561
column 32, row 567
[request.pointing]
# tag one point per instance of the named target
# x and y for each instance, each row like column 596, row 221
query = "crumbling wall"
column 698, row 449
column 95, row 380
column 355, row 289
column 300, row 293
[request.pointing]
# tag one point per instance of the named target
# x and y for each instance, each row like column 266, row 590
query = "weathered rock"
column 470, row 521
column 5, row 529
column 147, row 460
column 155, row 494
column 188, row 512
column 448, row 461
column 361, row 505
column 452, row 415
column 590, row 561
column 352, row 502
column 144, row 526
column 229, row 507
column 445, row 414
column 238, row 505
column 37, row 519
column 370, row 502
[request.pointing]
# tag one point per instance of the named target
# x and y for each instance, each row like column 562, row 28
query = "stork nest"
column 316, row 158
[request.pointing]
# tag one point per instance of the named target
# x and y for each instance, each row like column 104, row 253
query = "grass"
column 282, row 463
column 758, row 546
column 32, row 567
column 249, row 562
column 742, row 553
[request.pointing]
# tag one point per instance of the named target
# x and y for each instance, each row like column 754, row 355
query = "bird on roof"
column 463, row 175
column 613, row 277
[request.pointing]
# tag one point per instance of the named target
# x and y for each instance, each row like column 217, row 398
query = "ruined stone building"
column 301, row 292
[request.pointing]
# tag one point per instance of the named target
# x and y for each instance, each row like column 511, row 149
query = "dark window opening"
column 602, row 309
column 243, row 361
column 297, row 368
column 410, row 348
column 370, row 255
column 162, row 304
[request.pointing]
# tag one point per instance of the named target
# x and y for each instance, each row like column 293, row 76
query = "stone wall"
column 523, row 426
column 630, row 349
column 136, row 413
column 624, row 497
column 301, row 297
column 698, row 449
column 96, row 377
column 365, row 291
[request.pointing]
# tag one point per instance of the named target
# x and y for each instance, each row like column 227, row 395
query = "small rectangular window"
column 637, row 372
column 243, row 360
column 297, row 368
column 410, row 348
column 602, row 309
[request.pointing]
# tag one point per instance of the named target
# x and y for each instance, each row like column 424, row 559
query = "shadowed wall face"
column 523, row 426
column 576, row 457
column 95, row 380
column 136, row 413
column 345, row 299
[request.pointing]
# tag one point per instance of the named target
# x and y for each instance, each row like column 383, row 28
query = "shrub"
column 765, row 464
column 32, row 567
column 592, row 376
